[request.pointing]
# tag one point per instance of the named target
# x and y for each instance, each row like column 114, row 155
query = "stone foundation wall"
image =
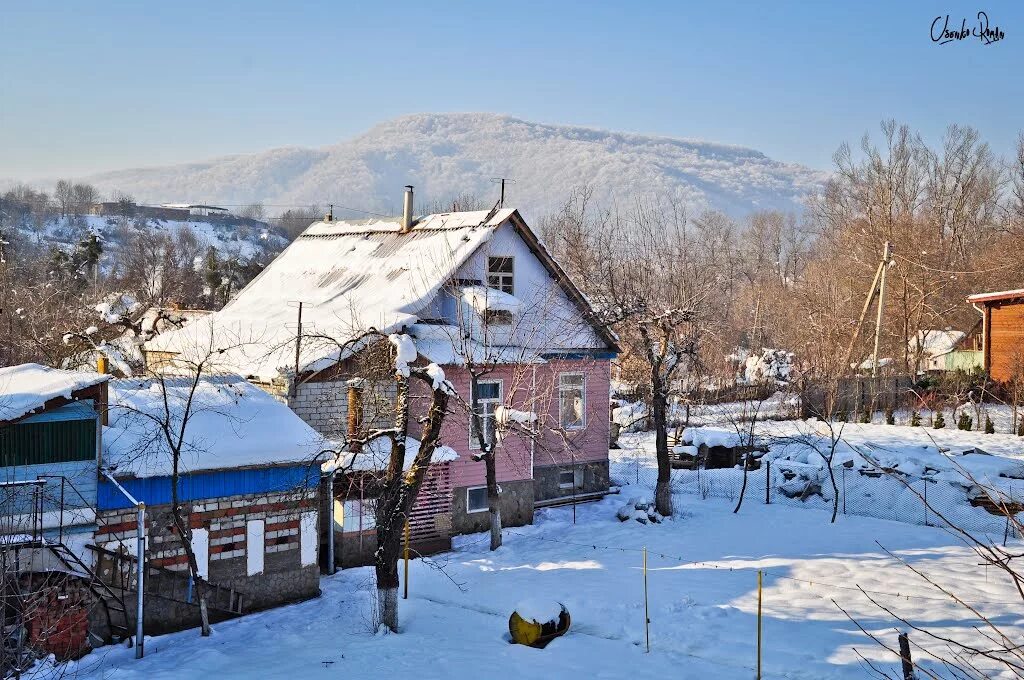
column 546, row 480
column 516, row 508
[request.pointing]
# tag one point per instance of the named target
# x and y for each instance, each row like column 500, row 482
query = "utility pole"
column 298, row 349
column 886, row 255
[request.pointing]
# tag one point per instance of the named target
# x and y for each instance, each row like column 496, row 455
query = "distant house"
column 1002, row 332
column 947, row 350
column 470, row 288
column 249, row 478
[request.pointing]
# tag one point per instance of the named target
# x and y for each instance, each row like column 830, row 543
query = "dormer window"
column 500, row 274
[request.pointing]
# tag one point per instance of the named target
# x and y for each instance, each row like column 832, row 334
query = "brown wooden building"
column 1002, row 332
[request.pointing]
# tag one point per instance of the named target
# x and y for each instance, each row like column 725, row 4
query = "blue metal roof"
column 200, row 486
column 76, row 410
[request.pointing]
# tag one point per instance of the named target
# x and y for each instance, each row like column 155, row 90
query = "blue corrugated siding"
column 81, row 474
column 206, row 485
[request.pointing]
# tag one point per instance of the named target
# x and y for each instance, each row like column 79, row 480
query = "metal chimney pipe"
column 407, row 210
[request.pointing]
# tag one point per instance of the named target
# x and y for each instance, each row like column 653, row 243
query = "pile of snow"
column 539, row 610
column 232, row 424
column 774, row 365
column 27, row 387
column 640, row 510
column 483, row 299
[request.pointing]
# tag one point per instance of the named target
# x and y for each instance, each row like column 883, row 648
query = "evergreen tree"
column 989, row 427
column 964, row 422
column 940, row 421
column 915, row 419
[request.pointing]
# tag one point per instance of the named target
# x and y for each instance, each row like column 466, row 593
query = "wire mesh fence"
column 847, row 491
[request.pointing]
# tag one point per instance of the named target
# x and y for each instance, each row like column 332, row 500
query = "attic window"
column 500, row 274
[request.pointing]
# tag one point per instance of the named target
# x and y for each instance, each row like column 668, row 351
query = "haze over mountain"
column 446, row 155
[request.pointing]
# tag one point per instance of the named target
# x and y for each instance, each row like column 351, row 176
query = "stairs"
column 172, row 585
column 117, row 614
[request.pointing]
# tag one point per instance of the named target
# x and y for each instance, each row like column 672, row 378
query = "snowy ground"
column 702, row 581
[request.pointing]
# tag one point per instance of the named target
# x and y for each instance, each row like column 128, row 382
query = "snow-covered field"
column 703, row 599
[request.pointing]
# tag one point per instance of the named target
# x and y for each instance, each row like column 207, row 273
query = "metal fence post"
column 925, row 482
column 768, row 482
column 844, row 490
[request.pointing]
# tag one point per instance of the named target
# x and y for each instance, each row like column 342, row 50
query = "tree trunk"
column 662, row 490
column 492, row 500
column 386, row 570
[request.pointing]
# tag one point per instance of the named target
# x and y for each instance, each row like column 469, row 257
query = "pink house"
column 477, row 292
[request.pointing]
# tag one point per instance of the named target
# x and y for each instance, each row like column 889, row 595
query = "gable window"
column 487, row 397
column 500, row 274
column 476, row 499
column 572, row 401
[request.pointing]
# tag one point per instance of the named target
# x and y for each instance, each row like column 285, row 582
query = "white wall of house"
column 550, row 319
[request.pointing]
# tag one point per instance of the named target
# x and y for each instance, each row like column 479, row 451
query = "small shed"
column 1002, row 333
column 50, row 433
column 249, row 479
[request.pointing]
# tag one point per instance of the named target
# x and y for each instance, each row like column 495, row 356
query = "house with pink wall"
column 480, row 296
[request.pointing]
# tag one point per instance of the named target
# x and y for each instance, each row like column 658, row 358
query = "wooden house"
column 1002, row 333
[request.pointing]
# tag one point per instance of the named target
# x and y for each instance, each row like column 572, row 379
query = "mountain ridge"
column 450, row 154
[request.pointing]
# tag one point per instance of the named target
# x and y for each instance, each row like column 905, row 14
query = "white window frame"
column 474, row 442
column 583, row 398
column 470, row 510
column 577, row 479
column 351, row 509
column 501, row 276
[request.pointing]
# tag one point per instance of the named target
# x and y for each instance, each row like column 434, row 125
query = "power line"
column 957, row 271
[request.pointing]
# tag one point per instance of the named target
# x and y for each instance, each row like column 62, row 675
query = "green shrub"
column 964, row 422
column 915, row 419
column 865, row 416
column 989, row 427
column 939, row 422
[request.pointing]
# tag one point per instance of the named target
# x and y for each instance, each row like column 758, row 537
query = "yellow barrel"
column 536, row 623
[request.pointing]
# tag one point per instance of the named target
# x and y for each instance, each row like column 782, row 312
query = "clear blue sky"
column 87, row 86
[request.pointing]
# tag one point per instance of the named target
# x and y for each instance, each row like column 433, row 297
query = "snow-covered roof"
column 349, row 277
column 375, row 456
column 998, row 295
column 27, row 387
column 935, row 342
column 445, row 344
column 233, row 424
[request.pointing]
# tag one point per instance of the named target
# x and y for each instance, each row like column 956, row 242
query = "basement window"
column 570, row 479
column 476, row 499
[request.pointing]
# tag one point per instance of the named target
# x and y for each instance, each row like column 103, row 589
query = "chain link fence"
column 927, row 502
